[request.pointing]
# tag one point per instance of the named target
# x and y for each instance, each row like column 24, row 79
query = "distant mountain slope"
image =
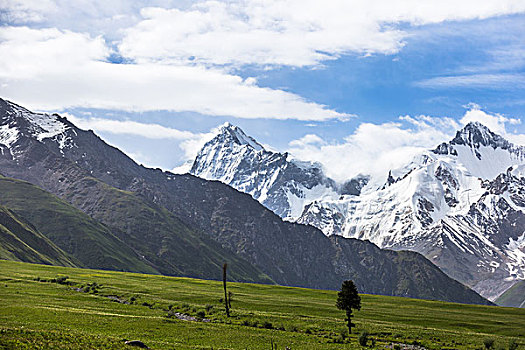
column 514, row 296
column 299, row 255
column 157, row 212
column 462, row 204
column 168, row 244
column 20, row 241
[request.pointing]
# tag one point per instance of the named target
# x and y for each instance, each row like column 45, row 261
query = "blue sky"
column 314, row 79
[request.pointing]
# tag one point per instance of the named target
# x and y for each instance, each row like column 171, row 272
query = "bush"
column 208, row 308
column 292, row 328
column 201, row 314
column 397, row 347
column 340, row 339
column 62, row 280
column 363, row 338
column 267, row 325
column 249, row 323
column 489, row 343
column 147, row 304
column 513, row 345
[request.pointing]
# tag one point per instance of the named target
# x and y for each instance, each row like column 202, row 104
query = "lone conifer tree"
column 348, row 299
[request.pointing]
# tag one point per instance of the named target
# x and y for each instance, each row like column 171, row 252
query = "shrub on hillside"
column 489, row 343
column 363, row 338
column 513, row 345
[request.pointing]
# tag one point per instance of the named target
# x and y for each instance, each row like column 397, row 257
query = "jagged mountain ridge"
column 80, row 171
column 282, row 184
column 437, row 205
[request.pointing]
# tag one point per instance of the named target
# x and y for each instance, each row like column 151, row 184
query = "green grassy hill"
column 514, row 297
column 90, row 242
column 101, row 309
column 20, row 241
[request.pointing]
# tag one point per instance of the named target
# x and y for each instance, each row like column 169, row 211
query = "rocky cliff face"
column 103, row 182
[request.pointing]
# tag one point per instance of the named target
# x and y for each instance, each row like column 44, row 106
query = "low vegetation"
column 66, row 308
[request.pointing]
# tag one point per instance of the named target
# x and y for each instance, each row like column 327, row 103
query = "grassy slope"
column 73, row 231
column 19, row 241
column 50, row 315
column 514, row 297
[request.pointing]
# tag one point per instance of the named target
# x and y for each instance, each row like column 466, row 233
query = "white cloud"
column 290, row 32
column 374, row 149
column 494, row 81
column 308, row 139
column 181, row 54
column 283, row 32
column 26, row 11
column 51, row 69
column 189, row 142
column 129, row 127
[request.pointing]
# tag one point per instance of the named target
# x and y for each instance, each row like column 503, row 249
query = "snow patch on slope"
column 297, row 203
column 43, row 125
column 8, row 135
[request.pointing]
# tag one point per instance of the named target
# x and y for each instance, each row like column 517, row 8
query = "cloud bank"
column 374, row 149
column 51, row 69
column 183, row 55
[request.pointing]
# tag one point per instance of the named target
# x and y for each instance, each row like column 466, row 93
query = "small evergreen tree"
column 348, row 299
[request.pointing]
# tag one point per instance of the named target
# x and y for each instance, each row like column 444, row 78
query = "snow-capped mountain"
column 18, row 123
column 282, row 184
column 461, row 204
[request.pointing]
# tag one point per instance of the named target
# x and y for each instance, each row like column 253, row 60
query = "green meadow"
column 43, row 307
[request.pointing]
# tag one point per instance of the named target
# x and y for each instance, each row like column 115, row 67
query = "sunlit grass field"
column 91, row 309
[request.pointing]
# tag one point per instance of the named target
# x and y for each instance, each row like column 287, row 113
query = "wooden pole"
column 226, row 304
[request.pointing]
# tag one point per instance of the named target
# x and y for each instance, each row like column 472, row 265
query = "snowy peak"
column 475, row 134
column 232, row 133
column 484, row 153
column 282, row 184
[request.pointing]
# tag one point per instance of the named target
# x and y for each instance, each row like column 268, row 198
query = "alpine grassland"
column 47, row 307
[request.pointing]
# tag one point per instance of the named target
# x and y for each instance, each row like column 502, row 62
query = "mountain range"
column 92, row 206
column 460, row 204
